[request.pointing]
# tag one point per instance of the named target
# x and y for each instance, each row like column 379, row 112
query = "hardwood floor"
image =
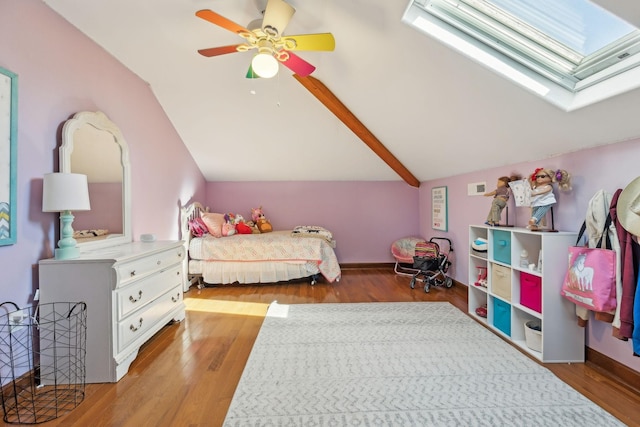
column 186, row 375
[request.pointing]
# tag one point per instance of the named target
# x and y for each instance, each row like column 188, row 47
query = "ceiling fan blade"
column 220, row 50
column 251, row 74
column 276, row 17
column 320, row 41
column 214, row 18
column 298, row 65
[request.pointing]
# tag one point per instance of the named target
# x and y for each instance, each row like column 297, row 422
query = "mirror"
column 93, row 145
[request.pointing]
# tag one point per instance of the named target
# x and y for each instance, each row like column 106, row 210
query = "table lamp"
column 65, row 192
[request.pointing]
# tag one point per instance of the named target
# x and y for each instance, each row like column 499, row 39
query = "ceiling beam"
column 324, row 95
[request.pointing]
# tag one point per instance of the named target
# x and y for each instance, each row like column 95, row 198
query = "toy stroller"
column 432, row 264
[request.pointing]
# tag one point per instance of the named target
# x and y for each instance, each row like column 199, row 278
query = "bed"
column 277, row 256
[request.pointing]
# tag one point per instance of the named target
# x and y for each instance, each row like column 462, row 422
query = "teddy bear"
column 253, row 226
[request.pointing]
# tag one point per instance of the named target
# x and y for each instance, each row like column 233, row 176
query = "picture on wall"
column 8, row 149
column 439, row 208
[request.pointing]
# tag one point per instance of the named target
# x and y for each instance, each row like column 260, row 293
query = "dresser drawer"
column 139, row 323
column 128, row 271
column 142, row 292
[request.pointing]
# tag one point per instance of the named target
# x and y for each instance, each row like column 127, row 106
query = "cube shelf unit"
column 509, row 300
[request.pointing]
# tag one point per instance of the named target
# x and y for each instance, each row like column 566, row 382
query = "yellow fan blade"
column 320, row 41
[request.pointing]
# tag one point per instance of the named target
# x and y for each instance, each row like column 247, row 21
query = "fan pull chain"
column 278, row 90
column 252, row 87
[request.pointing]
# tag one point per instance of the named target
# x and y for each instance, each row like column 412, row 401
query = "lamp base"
column 67, row 248
column 67, row 253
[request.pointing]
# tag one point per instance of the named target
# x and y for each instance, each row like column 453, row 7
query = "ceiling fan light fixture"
column 265, row 65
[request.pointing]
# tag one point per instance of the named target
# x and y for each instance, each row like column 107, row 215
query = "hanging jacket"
column 629, row 249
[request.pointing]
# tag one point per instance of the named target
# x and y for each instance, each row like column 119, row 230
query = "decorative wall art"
column 439, row 208
column 521, row 192
column 8, row 153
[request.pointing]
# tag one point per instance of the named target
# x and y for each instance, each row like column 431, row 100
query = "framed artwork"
column 8, row 154
column 439, row 208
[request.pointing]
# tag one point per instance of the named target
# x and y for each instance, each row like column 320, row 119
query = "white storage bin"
column 533, row 334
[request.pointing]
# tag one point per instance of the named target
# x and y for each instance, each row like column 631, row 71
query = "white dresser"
column 131, row 290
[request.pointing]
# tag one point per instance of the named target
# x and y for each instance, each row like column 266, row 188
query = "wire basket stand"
column 42, row 360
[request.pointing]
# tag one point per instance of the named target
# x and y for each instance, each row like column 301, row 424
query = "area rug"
column 396, row 364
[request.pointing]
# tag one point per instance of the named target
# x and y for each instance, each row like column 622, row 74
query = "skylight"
column 571, row 52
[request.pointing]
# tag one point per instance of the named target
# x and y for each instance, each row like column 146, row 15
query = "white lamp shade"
column 265, row 65
column 65, row 192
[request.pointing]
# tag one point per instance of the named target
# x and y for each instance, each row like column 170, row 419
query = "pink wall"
column 607, row 167
column 60, row 72
column 364, row 217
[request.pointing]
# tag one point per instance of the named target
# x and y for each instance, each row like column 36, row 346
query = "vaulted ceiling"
column 437, row 112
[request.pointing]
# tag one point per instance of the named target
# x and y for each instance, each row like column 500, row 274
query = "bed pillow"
column 214, row 222
column 197, row 227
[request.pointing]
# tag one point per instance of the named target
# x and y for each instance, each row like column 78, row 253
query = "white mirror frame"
column 101, row 122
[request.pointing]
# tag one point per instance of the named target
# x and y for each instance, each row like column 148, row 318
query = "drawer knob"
column 134, row 299
column 159, row 262
column 135, row 328
column 176, row 298
column 133, row 273
column 502, row 242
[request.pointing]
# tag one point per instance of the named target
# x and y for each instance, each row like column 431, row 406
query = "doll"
column 542, row 197
column 500, row 198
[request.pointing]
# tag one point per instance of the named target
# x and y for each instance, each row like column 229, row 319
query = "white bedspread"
column 274, row 246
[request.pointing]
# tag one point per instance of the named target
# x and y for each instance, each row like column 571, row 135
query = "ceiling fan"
column 268, row 38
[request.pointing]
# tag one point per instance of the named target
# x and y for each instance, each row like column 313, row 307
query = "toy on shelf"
column 542, row 196
column 482, row 277
column 500, row 198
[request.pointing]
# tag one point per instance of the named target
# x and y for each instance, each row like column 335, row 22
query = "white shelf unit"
column 562, row 339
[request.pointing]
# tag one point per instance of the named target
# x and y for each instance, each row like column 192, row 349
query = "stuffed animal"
column 241, row 226
column 264, row 225
column 254, row 228
column 229, row 226
column 257, row 215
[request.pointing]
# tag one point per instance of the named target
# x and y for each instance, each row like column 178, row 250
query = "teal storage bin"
column 502, row 316
column 502, row 246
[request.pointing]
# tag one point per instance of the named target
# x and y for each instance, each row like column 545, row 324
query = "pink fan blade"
column 298, row 65
column 214, row 18
column 220, row 50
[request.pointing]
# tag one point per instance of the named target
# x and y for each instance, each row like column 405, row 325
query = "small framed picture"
column 439, row 208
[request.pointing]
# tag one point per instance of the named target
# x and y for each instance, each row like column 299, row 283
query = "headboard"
column 188, row 213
